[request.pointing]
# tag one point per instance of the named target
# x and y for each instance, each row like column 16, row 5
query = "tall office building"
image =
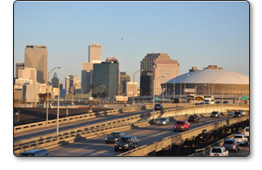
column 36, row 57
column 106, row 78
column 86, row 77
column 165, row 70
column 124, row 78
column 95, row 53
column 94, row 56
column 146, row 67
column 67, row 85
column 55, row 80
column 18, row 66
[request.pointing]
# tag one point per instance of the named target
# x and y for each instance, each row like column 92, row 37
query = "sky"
column 194, row 33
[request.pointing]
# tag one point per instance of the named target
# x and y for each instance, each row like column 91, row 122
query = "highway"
column 70, row 125
column 146, row 135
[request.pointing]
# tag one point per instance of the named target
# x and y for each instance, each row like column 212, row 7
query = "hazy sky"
column 194, row 33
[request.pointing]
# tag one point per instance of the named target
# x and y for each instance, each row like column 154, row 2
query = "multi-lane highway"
column 70, row 125
column 146, row 136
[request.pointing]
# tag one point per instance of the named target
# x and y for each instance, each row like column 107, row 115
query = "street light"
column 133, row 83
column 47, row 90
column 57, row 113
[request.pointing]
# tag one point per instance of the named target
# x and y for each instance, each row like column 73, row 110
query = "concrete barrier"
column 42, row 124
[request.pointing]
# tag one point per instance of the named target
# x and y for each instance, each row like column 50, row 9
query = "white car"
column 246, row 131
column 218, row 151
column 242, row 112
column 241, row 139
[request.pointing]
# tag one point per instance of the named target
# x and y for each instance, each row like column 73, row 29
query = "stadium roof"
column 211, row 76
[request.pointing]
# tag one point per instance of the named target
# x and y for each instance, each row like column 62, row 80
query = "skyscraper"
column 94, row 56
column 86, row 77
column 146, row 67
column 36, row 57
column 106, row 78
column 55, row 80
column 95, row 53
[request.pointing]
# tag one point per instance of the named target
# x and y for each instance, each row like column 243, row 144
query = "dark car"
column 217, row 102
column 126, row 143
column 225, row 102
column 112, row 138
column 194, row 118
column 215, row 114
column 35, row 152
column 158, row 107
column 231, row 144
column 237, row 114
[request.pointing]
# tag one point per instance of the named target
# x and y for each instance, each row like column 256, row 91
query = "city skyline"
column 194, row 33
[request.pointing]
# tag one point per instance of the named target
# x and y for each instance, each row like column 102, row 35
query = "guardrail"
column 169, row 141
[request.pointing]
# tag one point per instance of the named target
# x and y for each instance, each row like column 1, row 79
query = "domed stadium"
column 212, row 81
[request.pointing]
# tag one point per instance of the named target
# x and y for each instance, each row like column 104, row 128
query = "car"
column 241, row 139
column 246, row 131
column 35, row 152
column 237, row 114
column 218, row 151
column 231, row 144
column 242, row 112
column 158, row 107
column 215, row 114
column 194, row 118
column 112, row 138
column 230, row 113
column 126, row 143
column 181, row 125
column 217, row 102
column 163, row 121
column 225, row 102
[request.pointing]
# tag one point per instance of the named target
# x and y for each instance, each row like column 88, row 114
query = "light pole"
column 195, row 96
column 57, row 113
column 134, row 84
column 47, row 104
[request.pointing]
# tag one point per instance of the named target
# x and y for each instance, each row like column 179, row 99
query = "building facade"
column 86, row 77
column 146, row 71
column 17, row 67
column 106, row 79
column 55, row 80
column 27, row 72
column 165, row 70
column 95, row 53
column 131, row 89
column 36, row 57
column 124, row 78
